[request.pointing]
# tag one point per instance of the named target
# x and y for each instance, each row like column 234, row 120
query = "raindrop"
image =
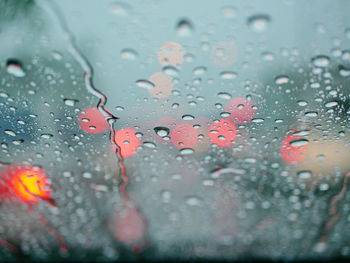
column 280, row 80
column 145, row 84
column 199, row 70
column 184, row 28
column 171, row 71
column 150, row 145
column 46, row 135
column 17, row 142
column 14, row 67
column 129, row 54
column 320, row 61
column 10, row 132
column 331, row 104
column 258, row 120
column 344, row 72
column 70, row 102
column 302, row 103
column 299, row 142
column 224, row 95
column 187, row 117
column 186, row 151
column 228, row 75
column 304, row 174
column 311, row 114
column 161, row 131
column 259, row 23
column 193, row 201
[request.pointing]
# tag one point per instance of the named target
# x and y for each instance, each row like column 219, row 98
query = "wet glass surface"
column 174, row 130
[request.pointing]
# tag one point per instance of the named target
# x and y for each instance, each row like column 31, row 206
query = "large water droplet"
column 320, row 61
column 299, row 142
column 161, row 131
column 14, row 67
column 145, row 84
column 258, row 23
column 184, row 28
column 171, row 71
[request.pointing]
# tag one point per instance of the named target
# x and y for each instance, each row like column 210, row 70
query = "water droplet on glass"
column 311, row 114
column 10, row 132
column 199, row 70
column 184, row 28
column 299, row 142
column 129, row 54
column 320, row 61
column 280, row 80
column 259, row 23
column 161, row 131
column 145, row 84
column 304, row 174
column 302, row 103
column 228, row 75
column 70, row 102
column 331, row 104
column 46, row 135
column 258, row 120
column 186, row 151
column 150, row 145
column 344, row 72
column 224, row 95
column 14, row 67
column 187, row 117
column 171, row 71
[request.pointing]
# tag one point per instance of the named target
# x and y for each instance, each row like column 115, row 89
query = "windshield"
column 187, row 130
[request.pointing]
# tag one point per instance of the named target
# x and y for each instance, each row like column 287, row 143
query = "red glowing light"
column 292, row 153
column 26, row 183
column 127, row 141
column 184, row 135
column 91, row 120
column 241, row 110
column 222, row 133
column 130, row 226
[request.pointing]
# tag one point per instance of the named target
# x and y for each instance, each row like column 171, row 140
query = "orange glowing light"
column 29, row 184
column 91, row 120
column 127, row 141
column 222, row 133
column 184, row 135
column 241, row 110
column 290, row 153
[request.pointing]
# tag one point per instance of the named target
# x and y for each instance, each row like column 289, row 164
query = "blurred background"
column 187, row 130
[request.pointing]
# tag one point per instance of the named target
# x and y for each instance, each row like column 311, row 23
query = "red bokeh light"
column 127, row 141
column 91, row 120
column 222, row 133
column 184, row 135
column 25, row 183
column 241, row 110
column 290, row 153
column 130, row 226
